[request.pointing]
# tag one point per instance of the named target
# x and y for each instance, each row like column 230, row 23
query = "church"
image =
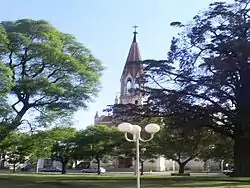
column 128, row 83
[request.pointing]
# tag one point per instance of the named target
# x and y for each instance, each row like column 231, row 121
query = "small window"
column 128, row 86
column 136, row 101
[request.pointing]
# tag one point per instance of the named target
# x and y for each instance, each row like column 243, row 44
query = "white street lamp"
column 135, row 130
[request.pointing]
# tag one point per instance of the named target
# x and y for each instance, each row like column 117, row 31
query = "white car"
column 93, row 170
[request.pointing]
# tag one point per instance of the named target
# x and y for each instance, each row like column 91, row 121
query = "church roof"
column 104, row 119
column 133, row 65
column 134, row 52
column 107, row 119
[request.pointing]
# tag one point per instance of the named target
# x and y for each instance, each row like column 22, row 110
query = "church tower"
column 132, row 70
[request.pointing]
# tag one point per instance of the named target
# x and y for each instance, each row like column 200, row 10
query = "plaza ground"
column 116, row 181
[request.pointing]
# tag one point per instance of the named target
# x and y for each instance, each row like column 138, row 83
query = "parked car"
column 53, row 169
column 228, row 172
column 93, row 170
column 26, row 167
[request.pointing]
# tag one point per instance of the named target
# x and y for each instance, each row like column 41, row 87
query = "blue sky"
column 105, row 27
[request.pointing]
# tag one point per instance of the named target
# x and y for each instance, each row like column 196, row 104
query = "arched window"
column 128, row 86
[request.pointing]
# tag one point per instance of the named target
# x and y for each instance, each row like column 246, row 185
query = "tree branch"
column 39, row 71
column 13, row 106
column 31, row 128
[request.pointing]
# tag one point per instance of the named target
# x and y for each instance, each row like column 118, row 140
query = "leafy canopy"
column 207, row 74
column 52, row 74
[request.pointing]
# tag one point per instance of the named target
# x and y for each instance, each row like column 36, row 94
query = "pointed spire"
column 96, row 114
column 134, row 52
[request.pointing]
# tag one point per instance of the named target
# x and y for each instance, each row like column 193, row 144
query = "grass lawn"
column 89, row 181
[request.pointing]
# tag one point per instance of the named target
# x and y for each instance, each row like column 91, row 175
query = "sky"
column 105, row 27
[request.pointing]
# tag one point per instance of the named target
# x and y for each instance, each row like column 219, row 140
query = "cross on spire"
column 135, row 26
column 135, row 32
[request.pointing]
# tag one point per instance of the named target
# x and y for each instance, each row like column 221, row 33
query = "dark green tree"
column 221, row 150
column 182, row 137
column 52, row 75
column 98, row 142
column 63, row 152
column 207, row 72
column 183, row 145
column 43, row 141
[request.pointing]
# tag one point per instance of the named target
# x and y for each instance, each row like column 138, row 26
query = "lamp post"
column 142, row 150
column 135, row 130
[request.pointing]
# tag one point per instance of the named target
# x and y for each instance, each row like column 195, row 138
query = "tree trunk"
column 75, row 164
column 242, row 128
column 98, row 166
column 142, row 167
column 14, row 167
column 64, row 167
column 37, row 166
column 242, row 156
column 2, row 163
column 181, row 168
column 88, row 166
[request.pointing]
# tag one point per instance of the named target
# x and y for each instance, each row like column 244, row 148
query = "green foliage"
column 55, row 143
column 182, row 137
column 63, row 152
column 207, row 73
column 6, row 81
column 183, row 145
column 101, row 140
column 222, row 149
column 97, row 142
column 54, row 75
column 17, row 147
column 44, row 141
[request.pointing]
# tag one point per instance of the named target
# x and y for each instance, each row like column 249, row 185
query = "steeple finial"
column 134, row 53
column 135, row 32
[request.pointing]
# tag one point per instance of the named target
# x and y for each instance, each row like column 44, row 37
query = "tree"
column 221, row 150
column 53, row 75
column 207, row 72
column 45, row 142
column 17, row 148
column 182, row 137
column 98, row 142
column 183, row 145
column 63, row 152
